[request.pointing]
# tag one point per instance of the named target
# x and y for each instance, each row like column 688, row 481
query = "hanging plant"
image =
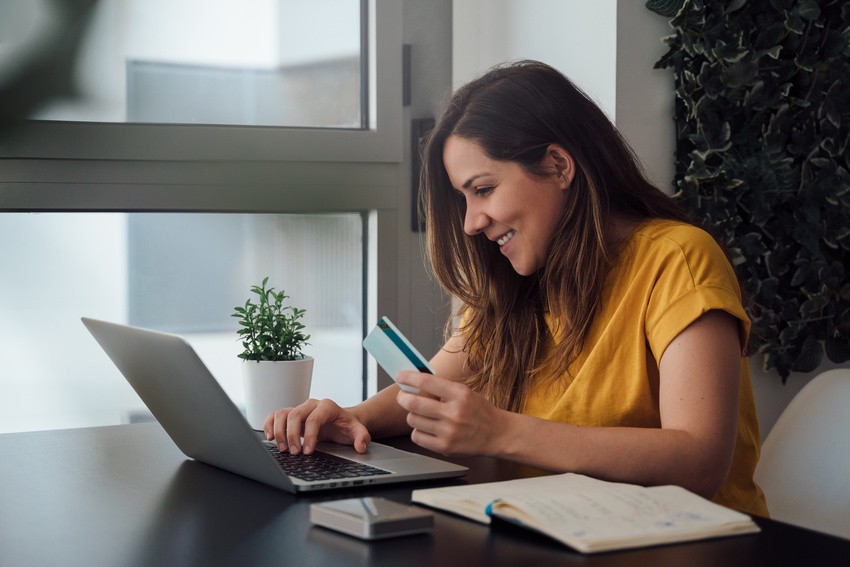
column 763, row 128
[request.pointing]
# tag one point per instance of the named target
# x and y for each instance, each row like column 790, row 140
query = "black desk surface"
column 125, row 495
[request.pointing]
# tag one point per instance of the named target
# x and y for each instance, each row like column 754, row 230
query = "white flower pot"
column 272, row 385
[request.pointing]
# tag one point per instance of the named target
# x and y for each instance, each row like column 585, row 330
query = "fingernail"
column 281, row 447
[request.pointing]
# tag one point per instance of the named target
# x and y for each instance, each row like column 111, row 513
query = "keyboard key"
column 321, row 466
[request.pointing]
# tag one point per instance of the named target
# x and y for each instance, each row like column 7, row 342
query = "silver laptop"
column 205, row 424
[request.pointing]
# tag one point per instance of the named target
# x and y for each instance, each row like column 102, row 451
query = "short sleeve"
column 693, row 277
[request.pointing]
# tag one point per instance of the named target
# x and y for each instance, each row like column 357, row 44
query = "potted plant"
column 275, row 371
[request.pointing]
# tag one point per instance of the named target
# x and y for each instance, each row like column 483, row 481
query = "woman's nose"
column 475, row 220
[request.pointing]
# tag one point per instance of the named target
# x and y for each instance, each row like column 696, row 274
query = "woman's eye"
column 482, row 191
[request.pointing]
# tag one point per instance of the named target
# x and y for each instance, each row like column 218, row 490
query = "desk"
column 126, row 496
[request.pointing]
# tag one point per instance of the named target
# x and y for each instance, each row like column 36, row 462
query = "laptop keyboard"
column 321, row 466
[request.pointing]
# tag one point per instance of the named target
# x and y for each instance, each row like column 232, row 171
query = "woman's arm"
column 698, row 397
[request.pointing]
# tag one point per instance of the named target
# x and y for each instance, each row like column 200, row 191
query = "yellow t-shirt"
column 668, row 275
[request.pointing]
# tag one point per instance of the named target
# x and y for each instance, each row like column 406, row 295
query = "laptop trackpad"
column 384, row 456
column 375, row 452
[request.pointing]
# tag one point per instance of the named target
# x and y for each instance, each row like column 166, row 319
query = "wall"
column 428, row 30
column 644, row 96
column 574, row 36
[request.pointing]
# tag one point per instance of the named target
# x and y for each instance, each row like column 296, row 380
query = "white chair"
column 804, row 468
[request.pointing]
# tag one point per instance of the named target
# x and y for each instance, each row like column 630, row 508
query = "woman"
column 600, row 331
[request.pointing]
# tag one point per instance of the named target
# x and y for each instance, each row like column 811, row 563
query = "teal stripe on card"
column 411, row 356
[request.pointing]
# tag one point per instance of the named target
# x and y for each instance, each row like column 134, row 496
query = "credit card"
column 393, row 351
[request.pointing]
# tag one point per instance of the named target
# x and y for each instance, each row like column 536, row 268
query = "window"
column 267, row 62
column 84, row 203
column 174, row 272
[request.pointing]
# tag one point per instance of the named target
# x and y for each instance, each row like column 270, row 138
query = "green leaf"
column 781, row 5
column 808, row 10
column 770, row 37
column 735, row 5
column 837, row 349
column 813, row 307
column 794, row 23
column 774, row 52
column 666, row 8
column 752, row 246
column 810, row 356
column 845, row 35
column 802, row 275
column 842, row 326
column 741, row 74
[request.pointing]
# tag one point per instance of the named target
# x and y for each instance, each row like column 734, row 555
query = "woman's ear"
column 559, row 159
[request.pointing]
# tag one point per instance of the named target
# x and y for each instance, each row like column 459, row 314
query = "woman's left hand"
column 451, row 418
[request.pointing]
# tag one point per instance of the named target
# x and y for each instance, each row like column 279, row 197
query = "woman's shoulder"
column 665, row 246
column 674, row 236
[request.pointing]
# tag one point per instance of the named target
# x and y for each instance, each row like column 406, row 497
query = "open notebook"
column 592, row 515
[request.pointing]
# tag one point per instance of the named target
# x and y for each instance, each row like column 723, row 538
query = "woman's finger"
column 420, row 405
column 292, row 424
column 429, row 384
column 324, row 412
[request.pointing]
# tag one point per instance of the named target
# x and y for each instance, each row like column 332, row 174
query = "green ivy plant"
column 269, row 329
column 763, row 128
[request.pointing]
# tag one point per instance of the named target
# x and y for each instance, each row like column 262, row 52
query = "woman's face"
column 518, row 212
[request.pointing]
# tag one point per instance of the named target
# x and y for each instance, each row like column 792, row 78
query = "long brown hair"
column 514, row 113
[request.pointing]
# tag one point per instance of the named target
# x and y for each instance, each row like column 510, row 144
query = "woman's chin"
column 523, row 269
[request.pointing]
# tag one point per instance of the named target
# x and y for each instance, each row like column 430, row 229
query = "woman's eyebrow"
column 469, row 181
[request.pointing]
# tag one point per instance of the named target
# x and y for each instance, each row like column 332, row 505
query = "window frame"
column 380, row 141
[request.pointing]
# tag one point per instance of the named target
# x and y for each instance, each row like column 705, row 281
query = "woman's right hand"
column 315, row 420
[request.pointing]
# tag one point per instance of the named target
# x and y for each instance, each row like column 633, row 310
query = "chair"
column 804, row 468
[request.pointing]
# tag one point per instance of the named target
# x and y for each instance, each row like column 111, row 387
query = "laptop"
column 206, row 425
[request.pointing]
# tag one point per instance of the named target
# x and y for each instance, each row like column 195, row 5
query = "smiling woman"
column 596, row 319
column 565, row 145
